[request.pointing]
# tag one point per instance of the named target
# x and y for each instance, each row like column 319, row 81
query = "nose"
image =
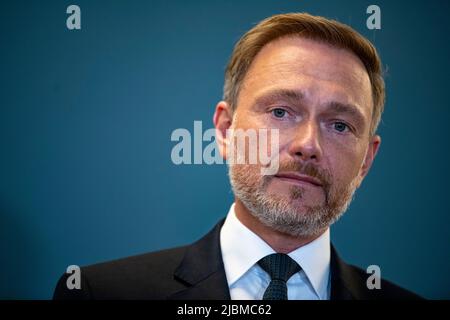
column 305, row 144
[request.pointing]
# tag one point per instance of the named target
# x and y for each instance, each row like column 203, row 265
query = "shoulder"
column 387, row 290
column 144, row 276
column 351, row 282
column 151, row 276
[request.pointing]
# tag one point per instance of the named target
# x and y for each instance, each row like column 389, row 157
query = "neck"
column 278, row 241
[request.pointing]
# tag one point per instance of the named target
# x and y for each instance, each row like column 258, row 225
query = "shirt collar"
column 314, row 258
column 242, row 249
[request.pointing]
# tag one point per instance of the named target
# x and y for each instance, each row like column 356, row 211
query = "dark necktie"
column 280, row 267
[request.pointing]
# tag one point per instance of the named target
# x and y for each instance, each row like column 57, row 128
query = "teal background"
column 86, row 118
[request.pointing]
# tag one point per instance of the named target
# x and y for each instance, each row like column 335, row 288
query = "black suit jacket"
column 196, row 272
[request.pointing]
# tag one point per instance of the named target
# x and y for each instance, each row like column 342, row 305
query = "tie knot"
column 279, row 266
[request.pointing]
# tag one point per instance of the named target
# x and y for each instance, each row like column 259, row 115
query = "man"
column 317, row 84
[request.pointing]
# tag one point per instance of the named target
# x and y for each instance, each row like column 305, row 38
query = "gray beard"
column 280, row 214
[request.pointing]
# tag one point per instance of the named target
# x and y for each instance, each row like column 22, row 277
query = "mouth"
column 299, row 179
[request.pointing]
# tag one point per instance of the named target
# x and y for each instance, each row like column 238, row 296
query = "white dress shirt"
column 242, row 249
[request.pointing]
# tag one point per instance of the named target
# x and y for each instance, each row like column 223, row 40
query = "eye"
column 340, row 126
column 278, row 112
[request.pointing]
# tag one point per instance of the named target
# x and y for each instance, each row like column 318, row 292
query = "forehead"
column 323, row 72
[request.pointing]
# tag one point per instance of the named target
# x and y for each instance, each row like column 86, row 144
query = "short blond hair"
column 312, row 27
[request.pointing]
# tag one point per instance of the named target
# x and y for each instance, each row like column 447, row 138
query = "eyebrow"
column 297, row 96
column 280, row 94
column 344, row 108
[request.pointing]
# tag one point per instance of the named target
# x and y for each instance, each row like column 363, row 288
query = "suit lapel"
column 202, row 270
column 345, row 282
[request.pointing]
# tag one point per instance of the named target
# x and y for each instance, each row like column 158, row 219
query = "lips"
column 299, row 178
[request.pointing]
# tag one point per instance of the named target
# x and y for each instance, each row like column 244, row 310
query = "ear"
column 223, row 118
column 372, row 151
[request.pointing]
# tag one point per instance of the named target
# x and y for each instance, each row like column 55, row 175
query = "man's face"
column 319, row 98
